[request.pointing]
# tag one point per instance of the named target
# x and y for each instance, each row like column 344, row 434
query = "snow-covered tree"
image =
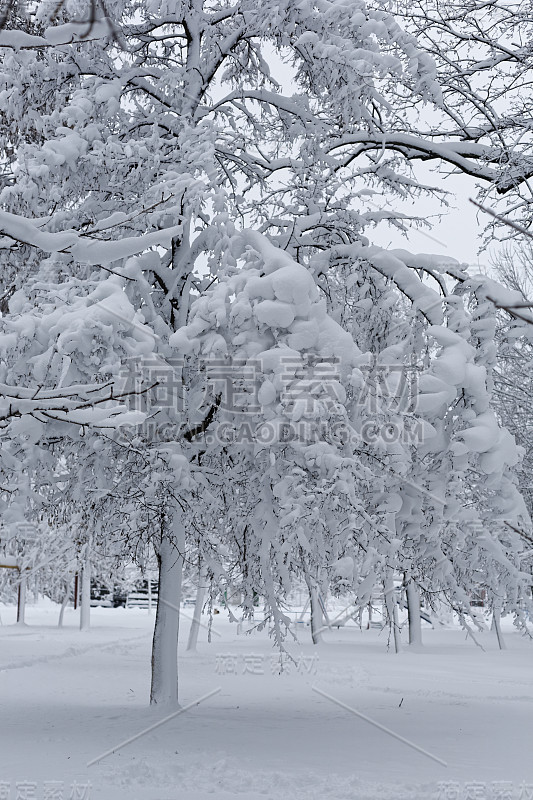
column 167, row 130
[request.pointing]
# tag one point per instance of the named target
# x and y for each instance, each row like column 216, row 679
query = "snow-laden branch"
column 56, row 35
column 470, row 157
column 80, row 247
column 83, row 404
column 399, row 266
column 273, row 99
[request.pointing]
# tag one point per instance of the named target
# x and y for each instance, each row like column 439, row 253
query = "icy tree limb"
column 91, row 251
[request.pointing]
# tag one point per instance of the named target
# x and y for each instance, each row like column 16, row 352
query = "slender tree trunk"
column 36, row 589
column 496, row 615
column 413, row 610
column 197, row 616
column 392, row 611
column 21, row 604
column 317, row 621
column 164, row 688
column 324, row 610
column 64, row 603
column 85, row 604
column 304, row 609
column 149, row 595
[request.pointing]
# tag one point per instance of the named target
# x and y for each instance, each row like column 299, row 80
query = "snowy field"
column 67, row 697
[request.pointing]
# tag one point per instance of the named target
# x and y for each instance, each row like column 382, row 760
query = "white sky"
column 459, row 234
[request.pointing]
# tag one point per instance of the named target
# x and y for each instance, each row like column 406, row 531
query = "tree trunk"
column 64, row 603
column 164, row 689
column 323, row 609
column 149, row 594
column 392, row 611
column 85, row 604
column 496, row 614
column 413, row 610
column 21, row 604
column 317, row 621
column 197, row 616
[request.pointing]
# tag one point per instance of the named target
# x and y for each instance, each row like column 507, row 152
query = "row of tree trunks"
column 164, row 688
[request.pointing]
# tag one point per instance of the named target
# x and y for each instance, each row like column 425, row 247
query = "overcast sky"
column 458, row 235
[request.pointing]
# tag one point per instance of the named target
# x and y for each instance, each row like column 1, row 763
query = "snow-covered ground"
column 67, row 697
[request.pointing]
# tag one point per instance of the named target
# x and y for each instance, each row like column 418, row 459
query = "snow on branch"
column 83, row 404
column 98, row 25
column 399, row 266
column 56, row 35
column 471, row 158
column 91, row 251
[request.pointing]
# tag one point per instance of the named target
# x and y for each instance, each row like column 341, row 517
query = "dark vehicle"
column 104, row 597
